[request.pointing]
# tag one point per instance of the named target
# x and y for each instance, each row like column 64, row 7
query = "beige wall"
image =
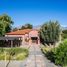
column 34, row 33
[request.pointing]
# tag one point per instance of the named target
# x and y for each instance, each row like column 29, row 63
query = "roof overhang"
column 9, row 38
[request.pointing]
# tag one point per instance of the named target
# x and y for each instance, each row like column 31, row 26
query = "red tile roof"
column 19, row 32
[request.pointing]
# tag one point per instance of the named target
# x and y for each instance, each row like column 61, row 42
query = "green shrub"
column 21, row 56
column 61, row 54
column 58, row 55
column 2, row 57
column 1, row 50
column 64, row 34
column 13, row 53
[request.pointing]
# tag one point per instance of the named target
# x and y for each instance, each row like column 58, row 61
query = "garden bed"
column 13, row 53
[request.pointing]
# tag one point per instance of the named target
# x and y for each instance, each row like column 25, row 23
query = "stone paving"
column 35, row 59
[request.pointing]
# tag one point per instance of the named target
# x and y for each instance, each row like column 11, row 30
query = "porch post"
column 20, row 41
column 11, row 43
column 23, row 42
column 38, row 41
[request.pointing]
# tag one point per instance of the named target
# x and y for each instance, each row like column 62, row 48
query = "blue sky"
column 35, row 12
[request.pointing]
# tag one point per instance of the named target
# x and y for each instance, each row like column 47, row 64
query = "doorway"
column 34, row 40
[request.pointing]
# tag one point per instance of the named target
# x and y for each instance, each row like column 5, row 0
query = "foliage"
column 50, row 32
column 1, row 28
column 5, row 24
column 58, row 55
column 45, row 49
column 61, row 54
column 2, row 43
column 15, row 29
column 64, row 34
column 13, row 53
column 27, row 26
column 21, row 56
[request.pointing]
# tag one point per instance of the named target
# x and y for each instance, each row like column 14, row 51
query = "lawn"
column 13, row 53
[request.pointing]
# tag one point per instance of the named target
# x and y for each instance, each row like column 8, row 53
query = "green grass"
column 13, row 53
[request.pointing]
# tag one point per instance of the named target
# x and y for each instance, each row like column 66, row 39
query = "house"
column 25, row 37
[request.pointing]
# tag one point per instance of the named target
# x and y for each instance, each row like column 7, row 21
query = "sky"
column 35, row 12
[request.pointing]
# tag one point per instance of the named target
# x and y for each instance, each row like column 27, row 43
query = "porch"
column 10, row 41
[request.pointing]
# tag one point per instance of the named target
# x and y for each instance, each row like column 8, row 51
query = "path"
column 35, row 59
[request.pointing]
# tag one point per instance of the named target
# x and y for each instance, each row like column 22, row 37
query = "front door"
column 34, row 40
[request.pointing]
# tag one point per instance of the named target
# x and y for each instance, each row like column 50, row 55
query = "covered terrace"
column 10, row 41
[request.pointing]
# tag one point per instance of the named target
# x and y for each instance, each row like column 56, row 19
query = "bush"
column 48, row 52
column 21, row 56
column 2, row 57
column 13, row 53
column 58, row 55
column 61, row 54
column 45, row 49
column 1, row 50
column 64, row 34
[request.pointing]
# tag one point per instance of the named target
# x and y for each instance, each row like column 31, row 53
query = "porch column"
column 23, row 40
column 30, row 41
column 11, row 43
column 38, row 41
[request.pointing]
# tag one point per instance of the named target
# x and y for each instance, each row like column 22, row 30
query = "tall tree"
column 50, row 32
column 27, row 26
column 15, row 29
column 5, row 24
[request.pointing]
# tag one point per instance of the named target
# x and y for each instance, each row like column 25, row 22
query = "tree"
column 64, row 34
column 5, row 24
column 1, row 29
column 27, row 26
column 50, row 32
column 15, row 29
